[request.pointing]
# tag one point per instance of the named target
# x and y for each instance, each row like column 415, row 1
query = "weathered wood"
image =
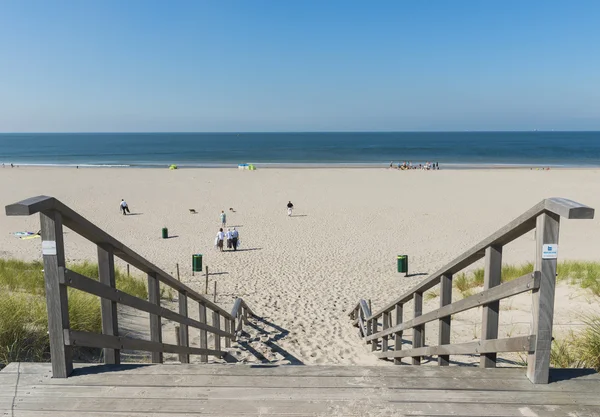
column 56, row 294
column 417, row 338
column 178, row 278
column 203, row 333
column 398, row 335
column 155, row 320
column 374, row 329
column 445, row 322
column 96, row 340
column 183, row 329
column 94, row 234
column 177, row 336
column 385, row 324
column 75, row 280
column 215, row 292
column 217, row 324
column 227, row 324
column 516, row 228
column 110, row 324
column 538, row 363
column 490, row 320
column 523, row 284
column 514, row 344
column 206, row 281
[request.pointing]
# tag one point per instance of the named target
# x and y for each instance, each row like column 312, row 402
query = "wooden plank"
column 445, row 322
column 217, row 324
column 513, row 344
column 417, row 337
column 398, row 335
column 96, row 340
column 386, row 324
column 508, row 289
column 203, row 333
column 75, row 280
column 56, row 293
column 568, row 208
column 110, row 324
column 184, row 336
column 155, row 320
column 93, row 233
column 490, row 319
column 227, row 324
column 538, row 363
column 374, row 329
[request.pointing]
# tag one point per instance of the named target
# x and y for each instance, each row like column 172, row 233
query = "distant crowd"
column 409, row 165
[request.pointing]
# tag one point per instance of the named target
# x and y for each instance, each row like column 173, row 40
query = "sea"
column 452, row 150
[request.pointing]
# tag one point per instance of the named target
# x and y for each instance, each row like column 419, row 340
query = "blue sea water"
column 452, row 149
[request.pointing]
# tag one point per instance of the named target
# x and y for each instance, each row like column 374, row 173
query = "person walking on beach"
column 228, row 237
column 219, row 240
column 124, row 207
column 290, row 207
column 234, row 238
column 223, row 219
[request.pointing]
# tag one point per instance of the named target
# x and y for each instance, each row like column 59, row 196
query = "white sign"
column 550, row 251
column 48, row 247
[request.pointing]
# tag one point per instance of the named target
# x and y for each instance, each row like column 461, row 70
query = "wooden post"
column 538, row 363
column 368, row 324
column 53, row 251
column 177, row 265
column 374, row 329
column 245, row 315
column 217, row 323
column 183, row 329
column 398, row 336
column 155, row 325
column 386, row 325
column 110, row 325
column 215, row 293
column 370, row 308
column 417, row 330
column 206, row 282
column 444, row 323
column 127, row 270
column 177, row 336
column 203, row 333
column 489, row 327
column 228, row 330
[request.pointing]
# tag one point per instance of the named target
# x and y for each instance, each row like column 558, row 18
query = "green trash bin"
column 403, row 263
column 197, row 263
column 165, row 233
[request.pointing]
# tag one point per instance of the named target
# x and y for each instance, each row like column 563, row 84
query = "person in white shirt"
column 234, row 238
column 124, row 207
column 223, row 219
column 228, row 236
column 219, row 239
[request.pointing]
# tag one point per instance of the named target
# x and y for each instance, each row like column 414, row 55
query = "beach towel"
column 30, row 237
column 23, row 233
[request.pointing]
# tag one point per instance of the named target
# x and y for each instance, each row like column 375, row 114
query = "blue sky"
column 284, row 65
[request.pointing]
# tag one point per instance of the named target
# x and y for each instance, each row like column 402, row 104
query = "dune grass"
column 581, row 350
column 23, row 316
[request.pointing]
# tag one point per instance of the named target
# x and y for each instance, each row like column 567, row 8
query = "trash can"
column 165, row 233
column 197, row 263
column 403, row 263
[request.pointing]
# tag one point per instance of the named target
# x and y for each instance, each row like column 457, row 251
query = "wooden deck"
column 27, row 389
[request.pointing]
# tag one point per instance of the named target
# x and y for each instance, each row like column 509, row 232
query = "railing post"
column 398, row 336
column 203, row 333
column 183, row 328
column 368, row 324
column 227, row 325
column 217, row 324
column 538, row 363
column 374, row 329
column 418, row 331
column 53, row 251
column 489, row 326
column 110, row 324
column 445, row 322
column 155, row 325
column 386, row 325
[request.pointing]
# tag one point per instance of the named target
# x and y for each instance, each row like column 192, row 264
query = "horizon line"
column 295, row 131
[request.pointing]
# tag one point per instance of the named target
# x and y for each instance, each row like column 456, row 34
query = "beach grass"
column 579, row 350
column 23, row 316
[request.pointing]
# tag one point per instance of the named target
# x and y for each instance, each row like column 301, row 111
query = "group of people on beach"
column 409, row 165
column 230, row 236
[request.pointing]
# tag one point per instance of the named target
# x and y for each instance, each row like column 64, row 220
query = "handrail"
column 53, row 216
column 545, row 218
column 93, row 233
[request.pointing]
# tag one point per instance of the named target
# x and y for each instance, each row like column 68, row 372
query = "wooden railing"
column 544, row 218
column 53, row 216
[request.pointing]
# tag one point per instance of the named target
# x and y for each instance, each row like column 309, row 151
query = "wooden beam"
column 217, row 324
column 514, row 344
column 110, row 324
column 491, row 311
column 538, row 363
column 568, row 208
column 203, row 333
column 398, row 335
column 155, row 321
column 374, row 329
column 445, row 322
column 386, row 325
column 184, row 336
column 417, row 340
column 517, row 286
column 53, row 251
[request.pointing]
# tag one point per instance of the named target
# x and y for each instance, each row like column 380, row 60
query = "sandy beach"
column 304, row 273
